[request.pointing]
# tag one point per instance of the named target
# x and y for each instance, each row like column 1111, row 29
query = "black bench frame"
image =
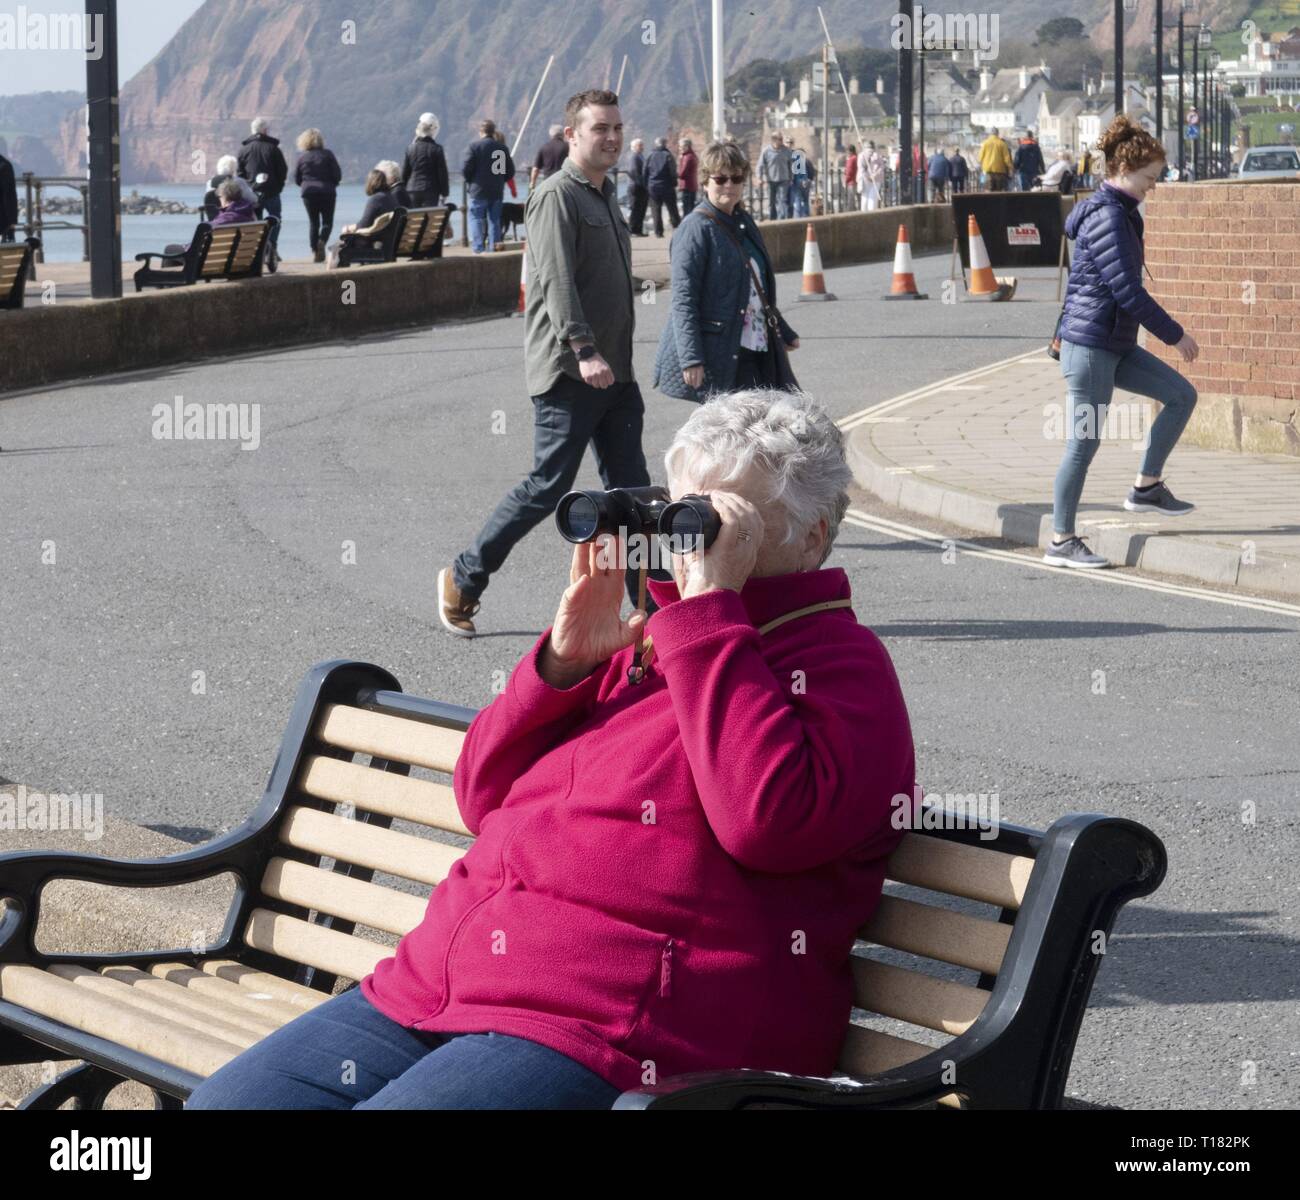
column 195, row 258
column 380, row 248
column 1016, row 1055
column 18, row 293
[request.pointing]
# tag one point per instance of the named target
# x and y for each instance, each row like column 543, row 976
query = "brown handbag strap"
column 770, row 314
column 649, row 653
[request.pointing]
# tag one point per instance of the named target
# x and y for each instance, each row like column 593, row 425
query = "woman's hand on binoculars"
column 588, row 629
column 729, row 562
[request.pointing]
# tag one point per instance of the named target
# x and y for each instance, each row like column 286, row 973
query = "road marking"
column 965, row 387
column 897, row 529
column 886, row 406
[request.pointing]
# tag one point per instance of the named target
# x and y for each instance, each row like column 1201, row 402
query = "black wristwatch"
column 586, row 352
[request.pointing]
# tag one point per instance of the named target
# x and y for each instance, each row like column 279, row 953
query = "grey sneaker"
column 1073, row 552
column 1157, row 499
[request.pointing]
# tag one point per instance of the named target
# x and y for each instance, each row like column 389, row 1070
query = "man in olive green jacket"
column 578, row 322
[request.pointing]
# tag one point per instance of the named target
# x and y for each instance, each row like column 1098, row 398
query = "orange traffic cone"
column 904, row 285
column 814, row 282
column 523, row 282
column 984, row 285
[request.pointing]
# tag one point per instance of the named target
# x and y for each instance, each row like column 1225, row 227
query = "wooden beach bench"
column 1001, row 1038
column 379, row 246
column 222, row 252
column 15, row 261
column 423, row 233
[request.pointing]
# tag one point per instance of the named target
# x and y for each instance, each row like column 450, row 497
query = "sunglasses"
column 721, row 179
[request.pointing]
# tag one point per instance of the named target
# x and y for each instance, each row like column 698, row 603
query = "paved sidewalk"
column 981, row 450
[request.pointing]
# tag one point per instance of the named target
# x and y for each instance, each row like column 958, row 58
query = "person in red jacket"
column 669, row 875
column 688, row 175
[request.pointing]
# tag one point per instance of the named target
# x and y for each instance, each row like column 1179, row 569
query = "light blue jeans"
column 1093, row 374
column 345, row 1053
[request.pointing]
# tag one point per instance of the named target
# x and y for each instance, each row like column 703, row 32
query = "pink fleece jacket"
column 668, row 876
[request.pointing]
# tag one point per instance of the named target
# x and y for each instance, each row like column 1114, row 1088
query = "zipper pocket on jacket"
column 666, row 970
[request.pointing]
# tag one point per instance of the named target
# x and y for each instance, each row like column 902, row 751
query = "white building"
column 1270, row 66
column 1057, row 122
column 1008, row 100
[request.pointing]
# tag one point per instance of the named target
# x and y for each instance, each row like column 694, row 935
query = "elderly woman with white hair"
column 669, row 874
column 424, row 171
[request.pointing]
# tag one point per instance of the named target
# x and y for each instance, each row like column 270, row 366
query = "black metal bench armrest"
column 24, row 873
column 158, row 254
column 907, row 1087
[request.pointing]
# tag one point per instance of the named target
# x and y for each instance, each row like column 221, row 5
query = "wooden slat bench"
column 380, row 246
column 422, row 233
column 222, row 252
column 15, row 260
column 169, row 1018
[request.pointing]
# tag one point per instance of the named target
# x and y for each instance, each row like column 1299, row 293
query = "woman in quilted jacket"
column 1105, row 302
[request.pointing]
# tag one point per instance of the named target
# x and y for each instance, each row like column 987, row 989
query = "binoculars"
column 686, row 524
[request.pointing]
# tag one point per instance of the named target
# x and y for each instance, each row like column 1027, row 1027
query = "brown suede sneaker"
column 454, row 610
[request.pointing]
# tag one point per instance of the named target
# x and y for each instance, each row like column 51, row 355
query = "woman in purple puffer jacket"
column 1105, row 302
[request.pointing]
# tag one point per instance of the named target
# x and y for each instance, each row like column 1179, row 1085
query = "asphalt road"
column 177, row 557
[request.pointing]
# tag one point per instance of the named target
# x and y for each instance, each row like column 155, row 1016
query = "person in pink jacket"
column 667, row 876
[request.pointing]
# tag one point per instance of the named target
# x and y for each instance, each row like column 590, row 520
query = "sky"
column 144, row 28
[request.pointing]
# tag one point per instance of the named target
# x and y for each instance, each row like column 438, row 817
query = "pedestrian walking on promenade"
column 661, row 182
column 261, row 156
column 1105, row 301
column 802, row 174
column 578, row 323
column 393, row 173
column 552, row 153
column 938, row 171
column 318, row 174
column 227, row 168
column 688, row 175
column 1028, row 161
column 1085, row 167
column 637, row 193
column 424, row 170
column 776, row 170
column 958, row 170
column 717, row 338
column 851, row 169
column 8, row 198
column 871, row 178
column 995, row 162
column 486, row 168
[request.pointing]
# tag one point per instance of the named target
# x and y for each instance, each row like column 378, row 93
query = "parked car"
column 1270, row 162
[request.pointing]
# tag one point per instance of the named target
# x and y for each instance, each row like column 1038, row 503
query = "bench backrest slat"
column 400, row 796
column 392, row 738
column 938, row 933
column 300, row 941
column 364, row 845
column 343, row 896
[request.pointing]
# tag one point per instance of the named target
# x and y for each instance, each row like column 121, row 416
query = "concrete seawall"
column 45, row 344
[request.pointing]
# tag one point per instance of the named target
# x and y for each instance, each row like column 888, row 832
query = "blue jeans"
column 1093, row 375
column 778, row 200
column 484, row 219
column 799, row 198
column 565, row 419
column 345, row 1053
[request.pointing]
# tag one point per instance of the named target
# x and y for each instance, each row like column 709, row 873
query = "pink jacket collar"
column 771, row 596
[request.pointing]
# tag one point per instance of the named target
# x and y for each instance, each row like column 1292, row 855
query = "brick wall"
column 1225, row 261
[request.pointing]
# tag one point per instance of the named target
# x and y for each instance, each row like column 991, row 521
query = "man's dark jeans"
column 566, row 418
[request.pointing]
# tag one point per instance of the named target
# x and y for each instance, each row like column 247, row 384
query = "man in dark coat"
column 661, row 183
column 8, row 198
column 424, row 173
column 1028, row 162
column 486, row 168
column 636, row 190
column 260, row 154
column 549, row 157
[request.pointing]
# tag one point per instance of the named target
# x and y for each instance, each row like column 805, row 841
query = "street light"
column 1211, row 61
column 1121, row 7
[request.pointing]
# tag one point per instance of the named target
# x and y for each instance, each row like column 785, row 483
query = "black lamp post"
column 1121, row 7
column 1211, row 102
column 1204, row 38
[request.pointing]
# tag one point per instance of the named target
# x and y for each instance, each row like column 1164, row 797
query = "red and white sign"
column 1023, row 235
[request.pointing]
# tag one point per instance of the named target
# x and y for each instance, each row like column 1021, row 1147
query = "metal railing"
column 35, row 225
